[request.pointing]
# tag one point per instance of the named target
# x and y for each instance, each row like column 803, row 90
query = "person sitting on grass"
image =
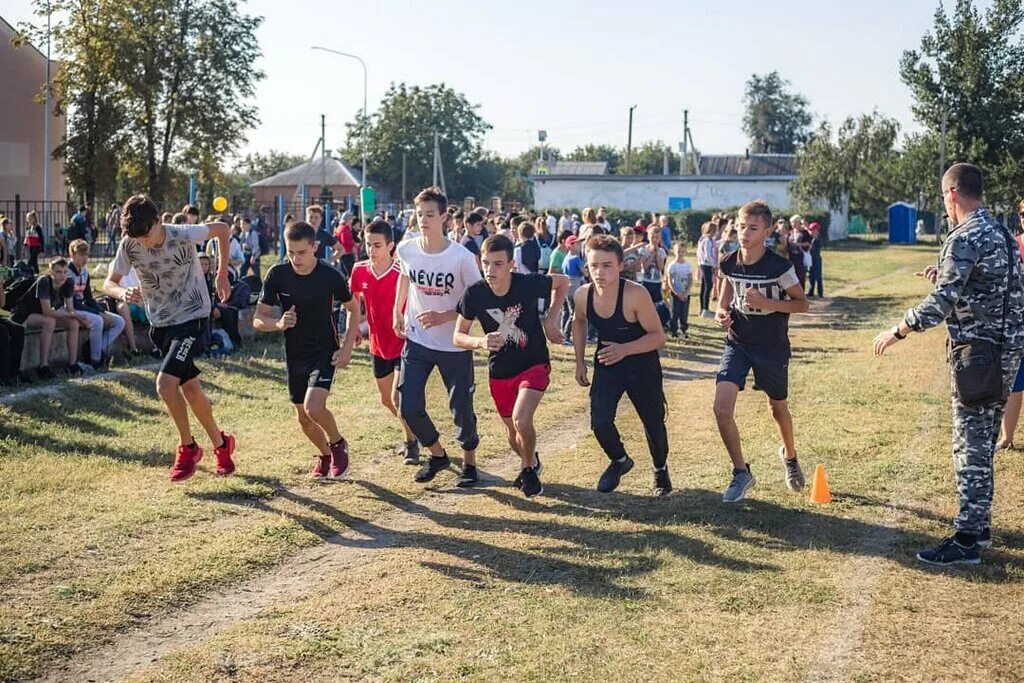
column 48, row 306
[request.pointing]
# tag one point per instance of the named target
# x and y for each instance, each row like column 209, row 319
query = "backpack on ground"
column 16, row 291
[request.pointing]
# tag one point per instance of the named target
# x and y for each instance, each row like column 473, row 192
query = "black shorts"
column 382, row 367
column 316, row 372
column 179, row 345
column 771, row 369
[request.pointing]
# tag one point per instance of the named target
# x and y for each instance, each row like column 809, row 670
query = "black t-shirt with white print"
column 517, row 316
column 773, row 275
column 313, row 296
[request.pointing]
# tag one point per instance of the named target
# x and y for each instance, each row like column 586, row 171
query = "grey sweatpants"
column 456, row 368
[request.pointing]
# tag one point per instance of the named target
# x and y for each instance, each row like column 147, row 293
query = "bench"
column 59, row 347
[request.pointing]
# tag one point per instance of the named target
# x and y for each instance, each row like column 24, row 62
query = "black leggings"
column 12, row 341
column 707, row 283
column 639, row 377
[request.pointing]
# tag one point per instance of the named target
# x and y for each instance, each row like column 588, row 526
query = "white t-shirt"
column 129, row 280
column 173, row 285
column 436, row 283
column 650, row 272
column 679, row 273
column 552, row 225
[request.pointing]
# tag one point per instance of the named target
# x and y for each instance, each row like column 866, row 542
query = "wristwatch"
column 896, row 332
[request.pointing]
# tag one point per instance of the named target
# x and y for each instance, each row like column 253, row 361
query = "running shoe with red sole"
column 185, row 464
column 225, row 465
column 339, row 459
column 322, row 467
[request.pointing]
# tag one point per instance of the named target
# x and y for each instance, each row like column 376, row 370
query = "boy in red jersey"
column 376, row 282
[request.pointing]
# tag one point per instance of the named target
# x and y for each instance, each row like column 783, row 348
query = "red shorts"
column 505, row 391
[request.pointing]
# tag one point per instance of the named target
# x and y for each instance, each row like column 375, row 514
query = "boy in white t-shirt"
column 679, row 274
column 435, row 273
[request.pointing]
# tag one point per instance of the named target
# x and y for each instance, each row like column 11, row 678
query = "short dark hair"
column 473, row 218
column 564, row 235
column 967, row 179
column 381, row 227
column 178, row 219
column 138, row 215
column 498, row 243
column 58, row 262
column 432, row 194
column 758, row 207
column 246, row 219
column 527, row 229
column 605, row 243
column 300, row 230
column 190, row 210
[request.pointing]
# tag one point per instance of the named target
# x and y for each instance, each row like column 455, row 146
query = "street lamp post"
column 366, row 118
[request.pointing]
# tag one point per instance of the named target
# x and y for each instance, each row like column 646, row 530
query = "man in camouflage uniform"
column 980, row 294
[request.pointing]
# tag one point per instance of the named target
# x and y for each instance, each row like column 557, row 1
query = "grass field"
column 109, row 572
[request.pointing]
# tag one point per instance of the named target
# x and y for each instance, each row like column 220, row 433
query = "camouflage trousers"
column 975, row 432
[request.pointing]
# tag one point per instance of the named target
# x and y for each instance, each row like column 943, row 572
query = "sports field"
column 107, row 572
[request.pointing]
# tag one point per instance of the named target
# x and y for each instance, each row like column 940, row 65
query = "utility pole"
column 664, row 164
column 403, row 179
column 942, row 168
column 684, row 156
column 323, row 153
column 629, row 143
column 46, row 129
column 436, row 155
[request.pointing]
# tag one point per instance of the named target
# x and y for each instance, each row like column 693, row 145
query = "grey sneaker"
column 741, row 482
column 794, row 475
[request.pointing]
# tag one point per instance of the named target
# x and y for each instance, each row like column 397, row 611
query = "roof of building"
column 313, row 173
column 14, row 32
column 748, row 164
column 569, row 168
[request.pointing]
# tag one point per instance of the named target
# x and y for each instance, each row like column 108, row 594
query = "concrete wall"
column 23, row 73
column 652, row 193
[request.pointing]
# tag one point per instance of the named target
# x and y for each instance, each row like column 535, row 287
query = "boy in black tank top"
column 626, row 362
column 759, row 291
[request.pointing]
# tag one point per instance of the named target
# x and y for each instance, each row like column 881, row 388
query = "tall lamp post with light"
column 366, row 194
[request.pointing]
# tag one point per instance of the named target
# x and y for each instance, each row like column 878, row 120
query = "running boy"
column 306, row 289
column 178, row 307
column 376, row 281
column 508, row 306
column 754, row 309
column 435, row 275
column 629, row 334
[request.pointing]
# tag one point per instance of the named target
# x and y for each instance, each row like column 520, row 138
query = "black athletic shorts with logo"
column 382, row 367
column 180, row 344
column 316, row 372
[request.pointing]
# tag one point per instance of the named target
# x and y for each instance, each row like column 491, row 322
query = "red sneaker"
column 339, row 459
column 185, row 464
column 322, row 466
column 225, row 465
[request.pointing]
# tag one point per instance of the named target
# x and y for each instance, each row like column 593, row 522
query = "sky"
column 573, row 68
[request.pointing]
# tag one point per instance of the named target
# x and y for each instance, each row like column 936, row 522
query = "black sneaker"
column 468, row 477
column 518, row 483
column 609, row 481
column 985, row 538
column 412, row 452
column 432, row 467
column 949, row 553
column 662, row 482
column 44, row 373
column 531, row 485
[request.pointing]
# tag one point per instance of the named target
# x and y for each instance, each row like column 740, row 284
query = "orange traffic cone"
column 819, row 487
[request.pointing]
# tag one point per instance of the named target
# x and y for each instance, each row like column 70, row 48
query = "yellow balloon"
column 220, row 204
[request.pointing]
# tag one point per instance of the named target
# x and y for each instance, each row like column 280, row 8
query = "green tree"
column 593, row 152
column 776, row 120
column 175, row 76
column 405, row 122
column 649, row 159
column 858, row 162
column 969, row 69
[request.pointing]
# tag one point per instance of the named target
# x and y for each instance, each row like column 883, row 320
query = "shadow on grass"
column 608, row 556
column 851, row 313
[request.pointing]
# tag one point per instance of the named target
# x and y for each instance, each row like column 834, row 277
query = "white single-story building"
column 723, row 181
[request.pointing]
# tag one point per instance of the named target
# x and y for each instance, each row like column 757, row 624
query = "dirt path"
column 288, row 582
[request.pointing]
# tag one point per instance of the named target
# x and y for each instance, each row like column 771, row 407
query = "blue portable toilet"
column 902, row 223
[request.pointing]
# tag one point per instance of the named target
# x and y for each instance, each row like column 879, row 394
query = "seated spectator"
column 236, row 257
column 223, row 313
column 48, row 306
column 130, row 313
column 104, row 327
column 12, row 342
